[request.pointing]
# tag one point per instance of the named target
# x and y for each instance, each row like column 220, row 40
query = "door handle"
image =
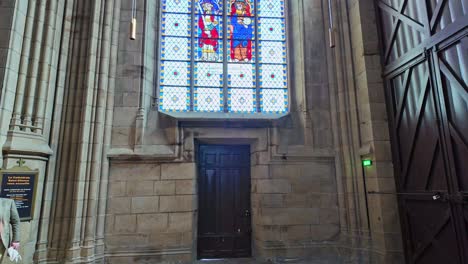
column 436, row 196
column 246, row 213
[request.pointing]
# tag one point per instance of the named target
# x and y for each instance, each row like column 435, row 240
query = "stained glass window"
column 223, row 56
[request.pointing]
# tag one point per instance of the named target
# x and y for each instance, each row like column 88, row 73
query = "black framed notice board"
column 20, row 185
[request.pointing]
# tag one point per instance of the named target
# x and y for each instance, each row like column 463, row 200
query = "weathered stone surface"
column 323, row 232
column 148, row 204
column 180, row 222
column 152, row 223
column 165, row 240
column 273, row 186
column 185, row 187
column 164, row 187
column 140, row 188
column 125, row 240
column 260, row 172
column 119, row 205
column 329, row 216
column 117, row 188
column 177, row 203
column 125, row 224
column 129, row 172
column 295, row 232
column 271, row 200
column 178, row 171
column 289, row 216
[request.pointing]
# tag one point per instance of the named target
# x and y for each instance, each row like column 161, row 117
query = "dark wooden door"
column 425, row 69
column 224, row 227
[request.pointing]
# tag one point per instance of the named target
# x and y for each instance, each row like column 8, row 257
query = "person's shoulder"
column 6, row 201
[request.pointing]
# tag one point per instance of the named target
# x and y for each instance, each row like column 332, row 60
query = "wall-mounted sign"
column 20, row 184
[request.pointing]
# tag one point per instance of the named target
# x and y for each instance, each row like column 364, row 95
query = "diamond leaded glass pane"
column 274, row 100
column 273, row 76
column 175, row 48
column 271, row 29
column 176, row 6
column 208, row 74
column 208, row 99
column 242, row 100
column 175, row 73
column 272, row 52
column 270, row 8
column 175, row 99
column 177, row 25
column 241, row 75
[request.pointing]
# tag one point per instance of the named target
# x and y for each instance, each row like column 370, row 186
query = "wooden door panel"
column 416, row 131
column 430, row 226
column 453, row 62
column 453, row 74
column 226, row 201
column 443, row 13
column 425, row 61
column 403, row 27
column 224, row 197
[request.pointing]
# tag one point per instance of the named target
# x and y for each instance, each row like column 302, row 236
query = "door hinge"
column 426, row 53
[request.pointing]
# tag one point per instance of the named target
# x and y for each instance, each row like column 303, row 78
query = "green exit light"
column 366, row 162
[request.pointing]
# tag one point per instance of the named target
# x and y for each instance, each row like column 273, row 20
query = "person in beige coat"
column 8, row 216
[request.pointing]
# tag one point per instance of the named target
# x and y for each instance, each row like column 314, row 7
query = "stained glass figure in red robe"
column 241, row 29
column 208, row 24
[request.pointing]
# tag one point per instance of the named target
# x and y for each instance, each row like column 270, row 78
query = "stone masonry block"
column 284, row 171
column 305, row 184
column 296, row 200
column 329, row 216
column 152, row 223
column 180, row 222
column 289, row 216
column 117, row 188
column 130, row 172
column 164, row 187
column 119, row 205
column 140, row 188
column 273, row 186
column 125, row 223
column 267, row 233
column 178, row 171
column 126, row 240
column 185, row 187
column 295, row 232
column 165, row 240
column 324, row 232
column 177, row 203
column 260, row 172
column 271, row 200
column 147, row 204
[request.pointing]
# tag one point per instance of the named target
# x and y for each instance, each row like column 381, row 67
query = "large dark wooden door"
column 425, row 61
column 224, row 228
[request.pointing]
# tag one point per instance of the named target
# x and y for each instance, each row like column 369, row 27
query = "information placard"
column 21, row 187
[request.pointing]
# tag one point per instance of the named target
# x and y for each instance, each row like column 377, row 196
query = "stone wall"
column 151, row 211
column 295, row 210
column 118, row 179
